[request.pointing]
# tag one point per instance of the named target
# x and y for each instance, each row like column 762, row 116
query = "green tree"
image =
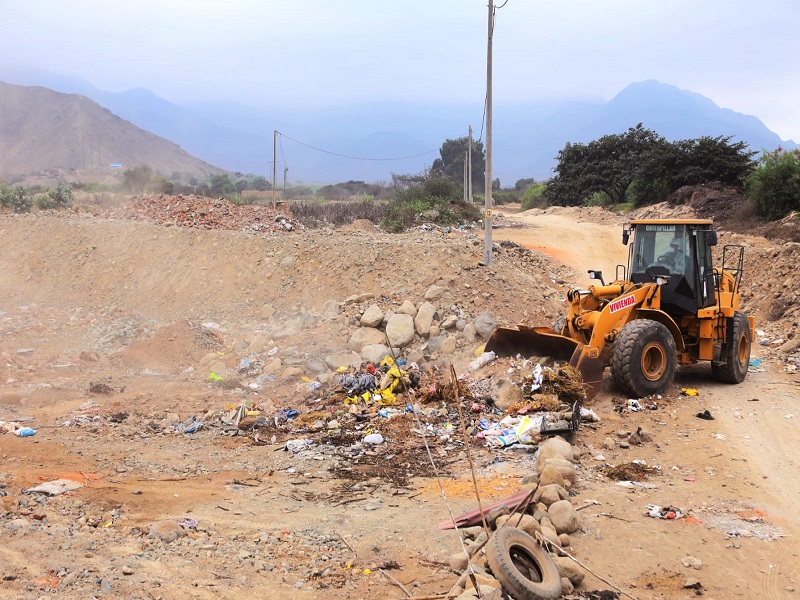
column 607, row 165
column 162, row 185
column 137, row 178
column 712, row 159
column 260, row 183
column 643, row 167
column 774, row 184
column 523, row 184
column 440, row 187
column 221, row 184
column 453, row 155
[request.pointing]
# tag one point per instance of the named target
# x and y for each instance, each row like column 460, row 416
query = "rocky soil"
column 160, row 357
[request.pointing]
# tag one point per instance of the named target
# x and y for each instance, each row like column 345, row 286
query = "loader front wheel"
column 644, row 358
column 737, row 351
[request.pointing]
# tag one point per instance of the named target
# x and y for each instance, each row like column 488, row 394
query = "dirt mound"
column 726, row 205
column 207, row 213
column 175, row 347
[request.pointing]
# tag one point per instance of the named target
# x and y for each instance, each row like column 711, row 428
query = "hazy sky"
column 743, row 54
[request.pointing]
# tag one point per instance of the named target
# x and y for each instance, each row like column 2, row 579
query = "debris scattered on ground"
column 632, row 471
column 664, row 512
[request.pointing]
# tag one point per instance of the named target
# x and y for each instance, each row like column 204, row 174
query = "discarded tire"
column 644, row 358
column 737, row 351
column 522, row 566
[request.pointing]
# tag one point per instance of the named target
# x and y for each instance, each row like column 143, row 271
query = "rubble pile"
column 208, row 213
column 541, row 509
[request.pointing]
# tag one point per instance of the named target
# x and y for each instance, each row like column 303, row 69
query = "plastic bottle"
column 25, row 432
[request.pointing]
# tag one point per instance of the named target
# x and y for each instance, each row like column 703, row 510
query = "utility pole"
column 487, row 235
column 469, row 166
column 274, row 166
column 465, row 176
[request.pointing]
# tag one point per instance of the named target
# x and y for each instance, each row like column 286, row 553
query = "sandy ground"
column 88, row 301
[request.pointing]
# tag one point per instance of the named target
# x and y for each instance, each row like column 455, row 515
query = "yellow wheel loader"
column 667, row 306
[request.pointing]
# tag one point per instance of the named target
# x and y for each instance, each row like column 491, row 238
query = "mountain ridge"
column 42, row 130
column 527, row 136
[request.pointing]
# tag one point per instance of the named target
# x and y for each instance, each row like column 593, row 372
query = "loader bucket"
column 545, row 341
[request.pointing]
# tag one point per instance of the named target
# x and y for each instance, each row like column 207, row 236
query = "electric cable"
column 350, row 156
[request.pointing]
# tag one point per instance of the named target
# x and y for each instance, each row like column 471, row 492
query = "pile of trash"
column 549, row 401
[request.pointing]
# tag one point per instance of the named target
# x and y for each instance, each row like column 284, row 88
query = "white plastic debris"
column 374, row 439
column 483, row 360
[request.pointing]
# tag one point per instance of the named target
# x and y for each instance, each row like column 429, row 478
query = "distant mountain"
column 526, row 136
column 43, row 130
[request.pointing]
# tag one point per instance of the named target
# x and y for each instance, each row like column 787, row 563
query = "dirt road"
column 268, row 522
column 582, row 245
column 748, row 453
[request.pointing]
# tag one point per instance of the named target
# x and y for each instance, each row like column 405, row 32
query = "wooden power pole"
column 469, row 166
column 274, row 167
column 487, row 234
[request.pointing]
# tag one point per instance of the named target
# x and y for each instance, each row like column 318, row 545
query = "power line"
column 348, row 155
column 282, row 154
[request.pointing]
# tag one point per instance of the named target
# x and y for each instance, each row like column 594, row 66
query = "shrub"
column 61, row 196
column 16, row 198
column 315, row 214
column 533, row 197
column 774, row 185
column 43, row 202
column 409, row 205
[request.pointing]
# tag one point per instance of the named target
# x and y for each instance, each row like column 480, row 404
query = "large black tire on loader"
column 644, row 358
column 737, row 351
column 522, row 566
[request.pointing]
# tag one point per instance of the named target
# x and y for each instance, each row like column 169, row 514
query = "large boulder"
column 566, row 468
column 485, row 325
column 470, row 335
column 548, row 494
column 365, row 336
column 570, row 569
column 564, row 516
column 400, row 330
column 375, row 353
column 550, row 475
column 434, row 292
column 343, row 359
column 434, row 344
column 449, row 322
column 449, row 345
column 407, row 308
column 424, row 318
column 528, row 523
column 372, row 317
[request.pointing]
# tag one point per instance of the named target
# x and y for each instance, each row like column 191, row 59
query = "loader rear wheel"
column 644, row 358
column 737, row 351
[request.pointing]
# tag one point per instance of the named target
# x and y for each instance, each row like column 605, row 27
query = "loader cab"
column 679, row 251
